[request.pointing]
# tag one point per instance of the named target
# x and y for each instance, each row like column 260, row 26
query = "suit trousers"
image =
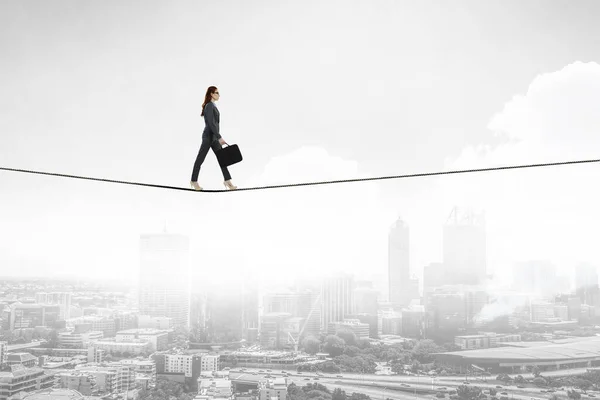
column 208, row 142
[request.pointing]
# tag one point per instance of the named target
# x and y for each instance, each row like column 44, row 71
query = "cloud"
column 310, row 230
column 502, row 304
column 550, row 212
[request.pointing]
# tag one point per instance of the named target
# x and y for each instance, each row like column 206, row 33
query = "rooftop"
column 55, row 394
column 564, row 349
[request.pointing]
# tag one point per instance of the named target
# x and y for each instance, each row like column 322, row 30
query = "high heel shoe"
column 195, row 186
column 229, row 185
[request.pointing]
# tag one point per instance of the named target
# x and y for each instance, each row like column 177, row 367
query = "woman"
column 210, row 138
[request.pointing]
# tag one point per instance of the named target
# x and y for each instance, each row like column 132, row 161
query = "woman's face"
column 215, row 95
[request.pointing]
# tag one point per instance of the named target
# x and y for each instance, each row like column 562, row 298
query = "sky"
column 310, row 91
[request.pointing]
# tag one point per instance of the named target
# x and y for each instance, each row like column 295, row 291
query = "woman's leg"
column 216, row 146
column 200, row 158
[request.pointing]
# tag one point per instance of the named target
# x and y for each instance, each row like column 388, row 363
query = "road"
column 397, row 386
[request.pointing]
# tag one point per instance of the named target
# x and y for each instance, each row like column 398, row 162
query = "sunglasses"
column 216, row 92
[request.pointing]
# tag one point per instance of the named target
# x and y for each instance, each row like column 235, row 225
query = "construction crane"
column 290, row 336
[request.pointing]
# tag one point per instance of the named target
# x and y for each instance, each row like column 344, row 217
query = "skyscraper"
column 464, row 247
column 63, row 299
column 586, row 276
column 535, row 276
column 586, row 285
column 401, row 291
column 225, row 312
column 336, row 298
column 164, row 281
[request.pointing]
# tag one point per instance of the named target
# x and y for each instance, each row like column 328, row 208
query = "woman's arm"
column 209, row 118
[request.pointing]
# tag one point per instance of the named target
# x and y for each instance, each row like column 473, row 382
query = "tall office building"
column 312, row 288
column 365, row 301
column 586, row 285
column 586, row 275
column 164, row 278
column 336, row 298
column 63, row 299
column 401, row 289
column 464, row 247
column 225, row 313
column 535, row 276
column 250, row 304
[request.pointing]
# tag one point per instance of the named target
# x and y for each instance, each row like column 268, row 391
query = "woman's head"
column 212, row 93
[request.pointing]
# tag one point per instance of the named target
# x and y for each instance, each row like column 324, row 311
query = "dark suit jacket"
column 212, row 118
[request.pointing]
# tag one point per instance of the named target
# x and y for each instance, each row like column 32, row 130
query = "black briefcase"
column 229, row 155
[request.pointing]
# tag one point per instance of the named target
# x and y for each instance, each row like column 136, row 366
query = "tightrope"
column 464, row 171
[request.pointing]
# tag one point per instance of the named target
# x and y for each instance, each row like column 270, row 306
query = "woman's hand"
column 222, row 141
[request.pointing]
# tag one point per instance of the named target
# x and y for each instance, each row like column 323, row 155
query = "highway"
column 399, row 387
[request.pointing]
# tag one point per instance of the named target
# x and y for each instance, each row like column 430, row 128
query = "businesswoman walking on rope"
column 211, row 138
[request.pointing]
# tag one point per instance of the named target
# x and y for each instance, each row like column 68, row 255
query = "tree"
column 348, row 336
column 338, row 394
column 166, row 389
column 582, row 384
column 397, row 367
column 416, row 366
column 424, row 349
column 359, row 396
column 465, row 392
column 334, row 345
column 352, row 351
column 311, row 345
column 539, row 381
column 451, row 347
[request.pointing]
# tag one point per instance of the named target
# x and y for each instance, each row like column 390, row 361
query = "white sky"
column 310, row 90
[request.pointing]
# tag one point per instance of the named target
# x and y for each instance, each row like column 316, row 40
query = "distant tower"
column 400, row 291
column 464, row 247
column 336, row 299
column 164, row 281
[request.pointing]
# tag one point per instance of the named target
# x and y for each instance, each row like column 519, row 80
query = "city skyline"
column 428, row 97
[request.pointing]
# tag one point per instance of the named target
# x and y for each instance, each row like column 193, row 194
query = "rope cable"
column 552, row 164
